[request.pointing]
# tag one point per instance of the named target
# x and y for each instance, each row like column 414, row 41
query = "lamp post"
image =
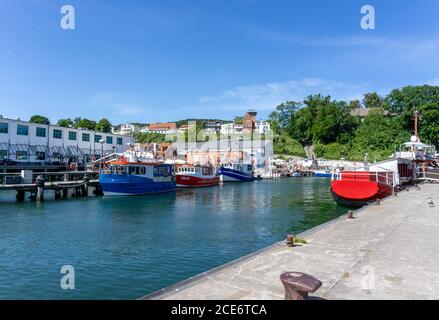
column 102, row 141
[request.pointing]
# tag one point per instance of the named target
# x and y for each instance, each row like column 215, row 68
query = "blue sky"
column 150, row 60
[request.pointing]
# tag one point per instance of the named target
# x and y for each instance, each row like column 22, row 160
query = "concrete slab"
column 387, row 252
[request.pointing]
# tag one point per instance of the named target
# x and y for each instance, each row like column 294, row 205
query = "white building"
column 262, row 126
column 212, row 126
column 227, row 128
column 23, row 141
column 127, row 129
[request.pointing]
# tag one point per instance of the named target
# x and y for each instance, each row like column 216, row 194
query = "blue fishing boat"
column 122, row 178
column 236, row 173
column 323, row 173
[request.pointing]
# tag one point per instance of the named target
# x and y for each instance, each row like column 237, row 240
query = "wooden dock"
column 63, row 184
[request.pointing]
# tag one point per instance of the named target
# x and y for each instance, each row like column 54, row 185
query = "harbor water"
column 127, row 247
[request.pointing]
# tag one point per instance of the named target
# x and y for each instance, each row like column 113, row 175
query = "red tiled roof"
column 162, row 126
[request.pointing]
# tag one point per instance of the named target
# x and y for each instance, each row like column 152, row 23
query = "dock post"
column 98, row 191
column 84, row 190
column 20, row 195
column 86, row 184
column 57, row 194
column 64, row 193
column 40, row 188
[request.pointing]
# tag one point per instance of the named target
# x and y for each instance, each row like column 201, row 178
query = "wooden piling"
column 20, row 195
column 40, row 188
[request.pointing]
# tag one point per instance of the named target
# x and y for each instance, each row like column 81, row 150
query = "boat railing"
column 429, row 174
column 385, row 177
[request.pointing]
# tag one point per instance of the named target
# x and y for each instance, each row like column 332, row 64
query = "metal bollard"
column 350, row 214
column 290, row 240
column 298, row 285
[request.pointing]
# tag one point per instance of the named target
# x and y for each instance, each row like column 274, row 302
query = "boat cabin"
column 196, row 170
column 148, row 169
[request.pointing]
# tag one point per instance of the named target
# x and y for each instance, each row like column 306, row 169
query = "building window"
column 40, row 155
column 41, row 132
column 21, row 155
column 97, row 138
column 109, row 140
column 57, row 134
column 86, row 137
column 120, row 141
column 3, row 127
column 72, row 135
column 3, row 154
column 22, row 130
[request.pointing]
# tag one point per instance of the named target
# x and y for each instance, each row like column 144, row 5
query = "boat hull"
column 128, row 185
column 359, row 193
column 322, row 175
column 231, row 175
column 188, row 181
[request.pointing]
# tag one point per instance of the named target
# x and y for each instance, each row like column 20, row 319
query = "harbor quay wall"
column 387, row 251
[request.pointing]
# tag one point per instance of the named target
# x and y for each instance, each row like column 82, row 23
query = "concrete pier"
column 388, row 251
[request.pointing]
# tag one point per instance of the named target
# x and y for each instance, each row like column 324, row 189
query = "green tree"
column 149, row 137
column 284, row 144
column 354, row 104
column 323, row 120
column 68, row 123
column 402, row 103
column 282, row 120
column 39, row 119
column 378, row 135
column 84, row 124
column 332, row 151
column 104, row 126
column 373, row 100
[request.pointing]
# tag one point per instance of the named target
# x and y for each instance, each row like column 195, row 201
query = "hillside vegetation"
column 328, row 125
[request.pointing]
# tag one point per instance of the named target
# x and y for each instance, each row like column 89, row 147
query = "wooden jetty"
column 63, row 184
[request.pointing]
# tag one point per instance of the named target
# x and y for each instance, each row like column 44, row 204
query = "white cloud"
column 267, row 96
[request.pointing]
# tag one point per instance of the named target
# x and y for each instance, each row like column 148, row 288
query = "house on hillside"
column 126, row 129
column 362, row 113
column 162, row 128
column 212, row 126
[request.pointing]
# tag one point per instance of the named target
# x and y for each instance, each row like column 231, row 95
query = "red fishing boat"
column 356, row 188
column 190, row 176
column 361, row 186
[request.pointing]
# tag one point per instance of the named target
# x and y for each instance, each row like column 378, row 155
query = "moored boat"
column 190, row 176
column 376, row 181
column 123, row 178
column 322, row 173
column 359, row 188
column 236, row 172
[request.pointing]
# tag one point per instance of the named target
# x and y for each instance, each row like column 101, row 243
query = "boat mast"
column 415, row 131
